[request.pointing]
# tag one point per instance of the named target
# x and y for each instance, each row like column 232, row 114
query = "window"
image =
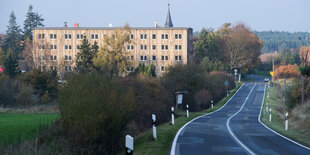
column 94, row 36
column 68, row 68
column 153, row 36
column 143, row 47
column 131, row 57
column 55, row 57
column 143, row 36
column 131, row 36
column 41, row 36
column 153, row 57
column 53, row 36
column 130, row 47
column 66, row 57
column 178, row 57
column 143, row 58
column 79, row 36
column 78, row 47
column 164, row 58
column 51, row 57
column 70, row 58
column 153, row 47
column 53, row 47
column 178, row 36
column 67, row 36
column 164, row 36
column 178, row 47
column 68, row 47
column 164, row 47
column 162, row 68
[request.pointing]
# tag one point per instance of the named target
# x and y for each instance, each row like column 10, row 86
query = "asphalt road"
column 234, row 129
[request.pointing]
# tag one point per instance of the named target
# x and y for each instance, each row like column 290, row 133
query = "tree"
column 13, row 36
column 10, row 64
column 240, row 47
column 26, row 62
column 84, row 58
column 111, row 59
column 211, row 65
column 206, row 45
column 147, row 71
column 2, row 57
column 32, row 20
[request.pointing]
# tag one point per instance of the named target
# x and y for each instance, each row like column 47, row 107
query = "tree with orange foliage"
column 290, row 71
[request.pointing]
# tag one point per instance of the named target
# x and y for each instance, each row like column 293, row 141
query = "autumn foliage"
column 290, row 71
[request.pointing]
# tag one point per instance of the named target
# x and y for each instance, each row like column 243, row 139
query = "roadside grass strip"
column 144, row 143
column 18, row 127
column 277, row 126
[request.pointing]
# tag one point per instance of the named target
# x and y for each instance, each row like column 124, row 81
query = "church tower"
column 168, row 19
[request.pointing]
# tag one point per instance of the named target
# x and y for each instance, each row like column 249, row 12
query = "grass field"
column 17, row 127
column 277, row 123
column 144, row 143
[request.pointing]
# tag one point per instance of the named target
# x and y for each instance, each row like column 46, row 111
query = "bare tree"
column 26, row 62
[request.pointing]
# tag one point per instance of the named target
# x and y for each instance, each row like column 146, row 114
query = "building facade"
column 161, row 46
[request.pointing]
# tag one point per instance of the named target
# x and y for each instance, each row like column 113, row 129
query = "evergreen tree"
column 2, row 57
column 32, row 20
column 84, row 58
column 10, row 63
column 13, row 36
column 206, row 45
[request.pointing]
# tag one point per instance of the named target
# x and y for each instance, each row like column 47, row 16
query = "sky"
column 260, row 15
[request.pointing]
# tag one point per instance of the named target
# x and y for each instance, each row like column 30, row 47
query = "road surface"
column 234, row 129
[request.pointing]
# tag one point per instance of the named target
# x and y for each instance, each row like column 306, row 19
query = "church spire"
column 168, row 19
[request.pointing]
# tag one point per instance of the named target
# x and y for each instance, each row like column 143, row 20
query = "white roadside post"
column 267, row 107
column 154, row 126
column 172, row 115
column 129, row 141
column 270, row 115
column 187, row 112
column 286, row 121
column 212, row 104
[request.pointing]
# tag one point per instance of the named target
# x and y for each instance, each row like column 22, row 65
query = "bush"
column 8, row 89
column 24, row 97
column 203, row 99
column 294, row 92
column 95, row 111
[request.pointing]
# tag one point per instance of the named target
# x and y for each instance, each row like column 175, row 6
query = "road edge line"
column 228, row 121
column 172, row 151
column 259, row 120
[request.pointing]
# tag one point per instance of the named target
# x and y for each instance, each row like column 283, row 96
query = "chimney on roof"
column 156, row 24
column 66, row 24
column 76, row 24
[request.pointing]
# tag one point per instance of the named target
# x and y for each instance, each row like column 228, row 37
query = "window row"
column 163, row 47
column 54, row 57
column 96, row 36
column 163, row 58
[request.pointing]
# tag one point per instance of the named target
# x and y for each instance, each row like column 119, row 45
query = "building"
column 161, row 46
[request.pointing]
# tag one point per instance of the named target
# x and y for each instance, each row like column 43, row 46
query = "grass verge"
column 277, row 124
column 144, row 143
column 18, row 127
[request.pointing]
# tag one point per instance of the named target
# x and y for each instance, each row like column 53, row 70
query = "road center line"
column 228, row 127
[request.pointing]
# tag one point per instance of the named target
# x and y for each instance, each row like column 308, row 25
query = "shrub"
column 8, row 91
column 24, row 97
column 203, row 99
column 95, row 111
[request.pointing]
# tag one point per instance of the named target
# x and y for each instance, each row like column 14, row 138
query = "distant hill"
column 278, row 41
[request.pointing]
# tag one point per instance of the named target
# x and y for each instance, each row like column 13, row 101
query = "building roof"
column 111, row 28
column 168, row 19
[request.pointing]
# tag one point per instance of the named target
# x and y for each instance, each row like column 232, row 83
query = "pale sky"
column 281, row 15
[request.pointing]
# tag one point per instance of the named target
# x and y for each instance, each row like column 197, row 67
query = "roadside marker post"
column 129, row 141
column 286, row 121
column 187, row 112
column 154, row 126
column 212, row 104
column 267, row 107
column 270, row 115
column 172, row 115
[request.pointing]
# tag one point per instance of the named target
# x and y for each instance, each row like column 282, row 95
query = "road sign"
column 271, row 73
column 226, row 83
column 179, row 98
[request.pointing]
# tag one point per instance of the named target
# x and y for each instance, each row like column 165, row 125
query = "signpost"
column 286, row 121
column 212, row 104
column 270, row 115
column 226, row 85
column 154, row 126
column 129, row 141
column 236, row 75
column 172, row 115
column 187, row 112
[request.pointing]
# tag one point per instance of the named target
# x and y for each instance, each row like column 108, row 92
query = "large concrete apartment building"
column 161, row 46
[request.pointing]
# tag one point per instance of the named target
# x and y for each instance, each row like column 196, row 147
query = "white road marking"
column 273, row 130
column 172, row 151
column 228, row 127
